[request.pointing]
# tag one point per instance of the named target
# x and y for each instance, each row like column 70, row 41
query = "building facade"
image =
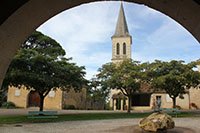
column 55, row 100
column 121, row 50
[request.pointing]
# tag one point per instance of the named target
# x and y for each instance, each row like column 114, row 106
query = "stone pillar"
column 115, row 107
column 127, row 101
column 122, row 106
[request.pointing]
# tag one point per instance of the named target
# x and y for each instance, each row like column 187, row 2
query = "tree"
column 3, row 95
column 40, row 65
column 126, row 77
column 97, row 91
column 174, row 77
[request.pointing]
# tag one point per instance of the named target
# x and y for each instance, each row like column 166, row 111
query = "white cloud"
column 85, row 31
column 169, row 41
column 81, row 30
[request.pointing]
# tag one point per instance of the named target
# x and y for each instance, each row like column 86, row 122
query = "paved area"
column 94, row 126
column 25, row 111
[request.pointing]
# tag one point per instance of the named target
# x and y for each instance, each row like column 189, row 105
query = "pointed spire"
column 121, row 28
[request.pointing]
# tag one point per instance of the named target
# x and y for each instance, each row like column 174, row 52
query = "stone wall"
column 53, row 100
column 18, row 96
column 121, row 40
column 78, row 99
column 195, row 96
column 167, row 101
column 95, row 104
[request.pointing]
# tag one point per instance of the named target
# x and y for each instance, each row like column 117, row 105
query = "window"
column 158, row 101
column 17, row 92
column 124, row 48
column 52, row 94
column 117, row 48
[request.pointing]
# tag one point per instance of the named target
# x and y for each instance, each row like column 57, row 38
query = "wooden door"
column 34, row 99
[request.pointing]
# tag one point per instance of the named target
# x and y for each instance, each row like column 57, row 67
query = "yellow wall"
column 53, row 102
column 167, row 101
column 78, row 99
column 21, row 100
column 195, row 96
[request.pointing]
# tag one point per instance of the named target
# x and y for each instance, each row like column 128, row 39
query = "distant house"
column 121, row 50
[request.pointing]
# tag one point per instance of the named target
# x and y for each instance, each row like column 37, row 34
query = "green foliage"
column 119, row 102
column 174, row 77
column 75, row 117
column 96, row 91
column 107, row 106
column 40, row 64
column 124, row 103
column 126, row 76
column 3, row 95
column 69, row 107
column 8, row 104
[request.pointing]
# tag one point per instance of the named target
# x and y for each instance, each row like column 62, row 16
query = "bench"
column 42, row 114
column 171, row 111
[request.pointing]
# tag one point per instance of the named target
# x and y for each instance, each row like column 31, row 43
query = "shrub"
column 8, row 104
column 193, row 105
column 69, row 107
column 178, row 107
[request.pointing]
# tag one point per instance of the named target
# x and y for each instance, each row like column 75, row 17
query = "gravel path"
column 25, row 111
column 94, row 126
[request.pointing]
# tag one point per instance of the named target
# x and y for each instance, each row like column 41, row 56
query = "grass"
column 11, row 108
column 74, row 117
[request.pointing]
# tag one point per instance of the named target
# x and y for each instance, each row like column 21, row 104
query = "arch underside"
column 20, row 18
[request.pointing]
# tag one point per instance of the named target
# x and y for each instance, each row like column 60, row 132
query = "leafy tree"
column 126, row 76
column 3, row 96
column 96, row 91
column 40, row 65
column 174, row 77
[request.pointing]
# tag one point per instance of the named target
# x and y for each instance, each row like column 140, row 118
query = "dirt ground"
column 25, row 111
column 183, row 125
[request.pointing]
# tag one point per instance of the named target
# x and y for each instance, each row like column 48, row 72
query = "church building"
column 121, row 50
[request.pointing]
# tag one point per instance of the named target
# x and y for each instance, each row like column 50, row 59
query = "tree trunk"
column 129, row 104
column 41, row 102
column 174, row 102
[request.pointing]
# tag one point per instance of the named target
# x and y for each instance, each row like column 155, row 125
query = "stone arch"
column 21, row 18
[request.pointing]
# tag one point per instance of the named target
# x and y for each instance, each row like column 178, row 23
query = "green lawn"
column 74, row 117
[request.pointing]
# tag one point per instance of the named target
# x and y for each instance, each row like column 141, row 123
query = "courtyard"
column 96, row 126
column 125, row 125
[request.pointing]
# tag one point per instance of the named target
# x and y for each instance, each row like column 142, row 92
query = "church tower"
column 121, row 50
column 121, row 40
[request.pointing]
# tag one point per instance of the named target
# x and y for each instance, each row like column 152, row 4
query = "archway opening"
column 22, row 18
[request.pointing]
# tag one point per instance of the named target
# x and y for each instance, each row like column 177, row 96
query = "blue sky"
column 85, row 34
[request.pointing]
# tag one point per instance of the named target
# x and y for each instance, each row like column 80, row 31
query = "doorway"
column 34, row 99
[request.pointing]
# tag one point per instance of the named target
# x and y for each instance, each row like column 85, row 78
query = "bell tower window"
column 124, row 48
column 117, row 49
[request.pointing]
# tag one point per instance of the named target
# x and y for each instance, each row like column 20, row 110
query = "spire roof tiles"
column 121, row 28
